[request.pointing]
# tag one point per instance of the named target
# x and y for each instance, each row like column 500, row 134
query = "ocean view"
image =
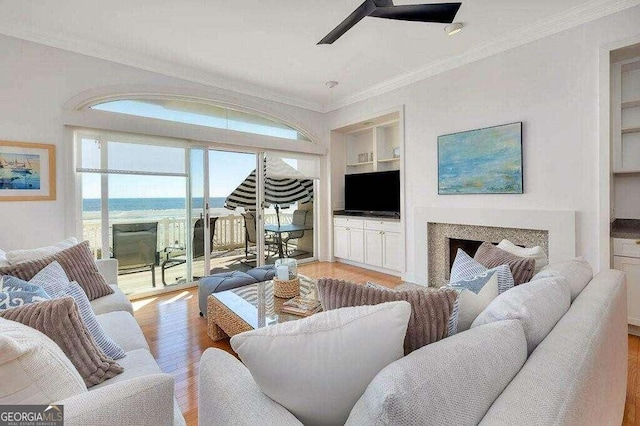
column 147, row 204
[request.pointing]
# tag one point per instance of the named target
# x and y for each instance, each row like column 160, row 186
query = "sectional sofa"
column 577, row 374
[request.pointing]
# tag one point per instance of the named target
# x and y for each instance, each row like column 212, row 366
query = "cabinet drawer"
column 348, row 222
column 626, row 247
column 382, row 225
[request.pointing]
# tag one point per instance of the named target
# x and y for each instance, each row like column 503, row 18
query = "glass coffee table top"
column 256, row 305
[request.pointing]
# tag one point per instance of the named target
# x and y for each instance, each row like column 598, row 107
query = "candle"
column 282, row 272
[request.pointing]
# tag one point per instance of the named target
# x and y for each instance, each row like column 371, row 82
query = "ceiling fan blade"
column 441, row 12
column 363, row 10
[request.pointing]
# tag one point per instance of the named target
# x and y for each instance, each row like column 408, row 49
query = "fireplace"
column 444, row 240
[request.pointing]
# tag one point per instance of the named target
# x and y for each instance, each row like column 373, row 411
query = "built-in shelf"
column 631, row 104
column 389, row 160
column 359, row 164
column 626, row 172
column 630, row 130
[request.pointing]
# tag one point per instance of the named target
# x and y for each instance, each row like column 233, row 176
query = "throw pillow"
column 3, row 258
column 17, row 256
column 537, row 253
column 55, row 282
column 52, row 279
column 314, row 367
column 15, row 292
column 538, row 305
column 78, row 264
column 34, row 370
column 452, row 382
column 521, row 267
column 475, row 295
column 465, row 267
column 577, row 271
column 430, row 309
column 106, row 343
column 60, row 321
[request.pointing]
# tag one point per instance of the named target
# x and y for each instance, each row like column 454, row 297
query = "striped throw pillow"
column 465, row 267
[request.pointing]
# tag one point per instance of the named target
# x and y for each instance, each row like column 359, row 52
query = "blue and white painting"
column 483, row 161
column 19, row 171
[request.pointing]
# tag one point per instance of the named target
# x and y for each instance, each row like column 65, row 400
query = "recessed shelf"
column 630, row 130
column 631, row 104
column 359, row 164
column 389, row 160
column 626, row 172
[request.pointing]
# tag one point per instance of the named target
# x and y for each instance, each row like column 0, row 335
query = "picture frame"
column 481, row 161
column 27, row 171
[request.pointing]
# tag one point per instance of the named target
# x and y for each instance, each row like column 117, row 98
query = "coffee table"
column 246, row 308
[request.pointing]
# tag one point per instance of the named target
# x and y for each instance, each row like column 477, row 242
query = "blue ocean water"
column 134, row 204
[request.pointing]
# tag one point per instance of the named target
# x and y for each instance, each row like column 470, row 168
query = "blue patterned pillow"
column 465, row 267
column 475, row 294
column 15, row 292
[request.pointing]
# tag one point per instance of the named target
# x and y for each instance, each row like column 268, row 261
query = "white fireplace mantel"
column 561, row 226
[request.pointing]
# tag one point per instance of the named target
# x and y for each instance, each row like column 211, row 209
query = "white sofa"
column 142, row 394
column 576, row 376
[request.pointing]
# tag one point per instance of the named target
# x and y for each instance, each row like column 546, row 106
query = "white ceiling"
column 268, row 47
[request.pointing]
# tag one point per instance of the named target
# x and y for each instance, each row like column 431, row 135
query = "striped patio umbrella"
column 284, row 186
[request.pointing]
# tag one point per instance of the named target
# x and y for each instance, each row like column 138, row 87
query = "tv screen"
column 372, row 192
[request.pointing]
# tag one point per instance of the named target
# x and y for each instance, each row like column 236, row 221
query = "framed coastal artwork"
column 27, row 171
column 483, row 161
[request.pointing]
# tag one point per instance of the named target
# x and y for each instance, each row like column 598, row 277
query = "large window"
column 202, row 114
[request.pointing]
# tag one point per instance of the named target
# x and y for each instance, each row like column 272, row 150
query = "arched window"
column 202, row 114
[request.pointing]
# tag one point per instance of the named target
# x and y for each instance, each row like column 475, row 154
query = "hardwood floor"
column 632, row 406
column 177, row 334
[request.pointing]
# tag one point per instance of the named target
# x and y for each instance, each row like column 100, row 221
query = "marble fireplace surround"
column 559, row 231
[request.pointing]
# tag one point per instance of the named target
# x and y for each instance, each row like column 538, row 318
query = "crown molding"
column 589, row 11
column 571, row 18
column 149, row 63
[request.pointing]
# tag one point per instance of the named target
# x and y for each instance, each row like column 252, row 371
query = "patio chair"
column 135, row 247
column 250, row 235
column 197, row 246
column 299, row 218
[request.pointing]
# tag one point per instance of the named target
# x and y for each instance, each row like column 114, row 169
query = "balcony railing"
column 229, row 233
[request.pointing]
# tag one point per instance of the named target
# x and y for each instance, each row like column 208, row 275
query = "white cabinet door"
column 356, row 245
column 373, row 247
column 631, row 266
column 392, row 247
column 341, row 242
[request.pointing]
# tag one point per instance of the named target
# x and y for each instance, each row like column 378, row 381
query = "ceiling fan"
column 439, row 12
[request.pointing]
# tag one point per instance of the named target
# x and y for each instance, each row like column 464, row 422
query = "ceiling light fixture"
column 331, row 84
column 454, row 28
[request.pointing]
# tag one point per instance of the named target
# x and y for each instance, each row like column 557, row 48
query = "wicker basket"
column 286, row 289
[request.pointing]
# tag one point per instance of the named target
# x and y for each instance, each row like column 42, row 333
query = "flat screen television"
column 377, row 192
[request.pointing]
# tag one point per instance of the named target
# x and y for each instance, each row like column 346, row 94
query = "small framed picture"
column 363, row 158
column 396, row 152
column 27, row 171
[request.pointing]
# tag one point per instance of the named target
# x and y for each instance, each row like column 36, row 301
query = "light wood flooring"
column 177, row 334
column 632, row 406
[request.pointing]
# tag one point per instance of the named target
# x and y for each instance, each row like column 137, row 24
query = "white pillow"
column 318, row 367
column 577, row 271
column 537, row 253
column 17, row 256
column 3, row 259
column 538, row 305
column 34, row 370
column 475, row 295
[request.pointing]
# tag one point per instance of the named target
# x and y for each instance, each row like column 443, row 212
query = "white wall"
column 35, row 83
column 552, row 86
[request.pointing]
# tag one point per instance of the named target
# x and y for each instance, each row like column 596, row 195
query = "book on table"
column 301, row 306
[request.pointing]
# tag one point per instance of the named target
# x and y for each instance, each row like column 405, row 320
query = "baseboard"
column 370, row 267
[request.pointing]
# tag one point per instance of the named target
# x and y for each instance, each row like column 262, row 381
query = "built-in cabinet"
column 626, row 258
column 373, row 243
column 373, row 149
column 625, row 116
